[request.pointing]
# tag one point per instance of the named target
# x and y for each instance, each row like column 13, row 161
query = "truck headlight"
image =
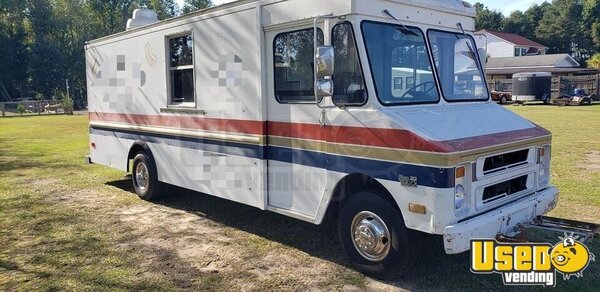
column 461, row 189
column 459, row 196
column 542, row 174
column 544, row 165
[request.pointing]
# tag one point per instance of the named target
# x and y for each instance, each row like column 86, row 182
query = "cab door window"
column 293, row 57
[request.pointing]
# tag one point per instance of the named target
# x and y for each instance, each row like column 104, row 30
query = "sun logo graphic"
column 530, row 263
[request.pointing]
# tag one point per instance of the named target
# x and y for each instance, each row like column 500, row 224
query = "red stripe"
column 497, row 139
column 392, row 138
column 194, row 122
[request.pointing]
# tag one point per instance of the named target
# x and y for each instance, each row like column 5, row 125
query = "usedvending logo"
column 530, row 263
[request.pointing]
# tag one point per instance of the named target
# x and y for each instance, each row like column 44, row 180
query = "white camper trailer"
column 289, row 106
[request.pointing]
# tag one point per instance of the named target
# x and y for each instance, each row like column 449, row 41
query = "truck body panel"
column 234, row 138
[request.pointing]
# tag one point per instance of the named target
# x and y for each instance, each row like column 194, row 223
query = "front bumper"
column 503, row 220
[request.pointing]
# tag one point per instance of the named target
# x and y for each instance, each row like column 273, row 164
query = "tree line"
column 42, row 41
column 564, row 26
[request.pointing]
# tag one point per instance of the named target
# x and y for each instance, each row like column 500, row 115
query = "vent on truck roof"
column 141, row 17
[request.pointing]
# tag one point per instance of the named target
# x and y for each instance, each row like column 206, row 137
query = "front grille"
column 504, row 189
column 505, row 161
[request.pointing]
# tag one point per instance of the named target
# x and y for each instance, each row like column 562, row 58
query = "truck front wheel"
column 373, row 234
column 145, row 177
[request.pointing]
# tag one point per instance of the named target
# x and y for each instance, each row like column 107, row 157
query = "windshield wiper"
column 403, row 28
column 471, row 50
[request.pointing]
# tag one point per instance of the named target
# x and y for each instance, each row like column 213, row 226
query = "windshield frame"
column 429, row 56
column 480, row 67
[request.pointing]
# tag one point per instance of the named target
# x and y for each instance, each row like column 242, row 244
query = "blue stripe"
column 426, row 176
column 229, row 148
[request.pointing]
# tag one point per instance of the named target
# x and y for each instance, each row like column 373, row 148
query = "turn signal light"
column 416, row 208
column 460, row 172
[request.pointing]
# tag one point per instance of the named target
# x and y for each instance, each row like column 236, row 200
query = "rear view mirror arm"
column 315, row 63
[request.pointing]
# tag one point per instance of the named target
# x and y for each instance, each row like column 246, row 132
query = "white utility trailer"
column 246, row 102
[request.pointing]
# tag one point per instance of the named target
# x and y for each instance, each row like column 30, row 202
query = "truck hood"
column 468, row 126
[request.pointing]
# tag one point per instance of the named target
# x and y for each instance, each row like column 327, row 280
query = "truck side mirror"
column 324, row 88
column 324, row 66
column 324, row 60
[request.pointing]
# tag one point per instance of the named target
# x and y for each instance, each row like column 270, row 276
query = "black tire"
column 149, row 190
column 404, row 243
column 503, row 100
column 546, row 99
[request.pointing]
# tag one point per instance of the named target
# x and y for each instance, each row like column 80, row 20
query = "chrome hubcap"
column 370, row 236
column 141, row 176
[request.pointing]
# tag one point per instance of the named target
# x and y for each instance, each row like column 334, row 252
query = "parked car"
column 578, row 98
column 501, row 96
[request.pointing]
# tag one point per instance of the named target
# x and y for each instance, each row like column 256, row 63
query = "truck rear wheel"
column 373, row 234
column 145, row 177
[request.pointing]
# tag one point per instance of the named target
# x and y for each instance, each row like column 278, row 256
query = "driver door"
column 297, row 160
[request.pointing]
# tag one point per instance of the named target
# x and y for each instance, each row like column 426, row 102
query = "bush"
column 594, row 61
column 20, row 108
column 67, row 105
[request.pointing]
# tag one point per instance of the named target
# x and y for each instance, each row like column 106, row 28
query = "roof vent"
column 141, row 17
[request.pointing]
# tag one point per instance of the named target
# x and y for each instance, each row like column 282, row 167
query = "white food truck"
column 295, row 107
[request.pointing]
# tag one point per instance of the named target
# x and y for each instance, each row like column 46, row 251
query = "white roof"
column 533, row 74
column 418, row 71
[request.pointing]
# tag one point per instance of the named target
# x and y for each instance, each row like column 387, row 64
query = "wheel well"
column 352, row 184
column 137, row 147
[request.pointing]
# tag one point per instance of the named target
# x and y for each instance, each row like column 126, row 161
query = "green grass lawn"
column 65, row 225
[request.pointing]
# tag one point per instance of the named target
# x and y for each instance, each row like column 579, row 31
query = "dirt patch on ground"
column 592, row 161
column 180, row 241
column 38, row 184
column 198, row 242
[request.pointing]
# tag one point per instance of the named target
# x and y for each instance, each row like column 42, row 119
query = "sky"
column 506, row 6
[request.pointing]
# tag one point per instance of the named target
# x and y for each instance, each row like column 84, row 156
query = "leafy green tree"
column 488, row 19
column 74, row 30
column 110, row 16
column 517, row 22
column 559, row 27
column 14, row 48
column 193, row 5
column 42, row 41
column 590, row 24
column 595, row 35
column 44, row 64
column 525, row 23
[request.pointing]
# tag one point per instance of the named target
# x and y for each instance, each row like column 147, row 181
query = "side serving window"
column 181, row 70
column 293, row 57
column 348, row 80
